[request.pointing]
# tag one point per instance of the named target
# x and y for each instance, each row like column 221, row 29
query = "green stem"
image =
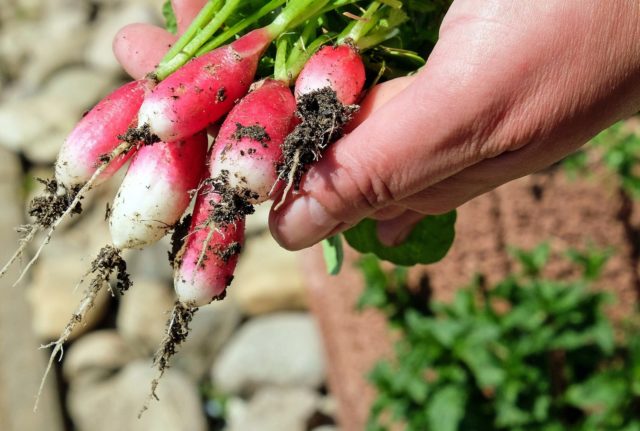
column 189, row 51
column 361, row 27
column 280, row 69
column 376, row 39
column 293, row 13
column 206, row 15
column 300, row 45
column 239, row 26
column 296, row 62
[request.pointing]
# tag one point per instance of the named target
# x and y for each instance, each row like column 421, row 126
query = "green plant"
column 529, row 353
column 618, row 149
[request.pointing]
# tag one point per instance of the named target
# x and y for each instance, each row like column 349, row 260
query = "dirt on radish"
column 47, row 208
column 323, row 118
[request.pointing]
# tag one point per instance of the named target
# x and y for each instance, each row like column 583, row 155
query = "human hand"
column 510, row 88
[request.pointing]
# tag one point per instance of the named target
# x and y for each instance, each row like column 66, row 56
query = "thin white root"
column 121, row 149
column 78, row 317
column 292, row 174
column 24, row 242
column 205, row 245
column 152, row 394
column 177, row 331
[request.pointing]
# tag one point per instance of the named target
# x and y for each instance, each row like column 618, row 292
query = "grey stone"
column 153, row 263
column 276, row 350
column 52, row 113
column 76, row 89
column 53, row 298
column 211, row 328
column 62, row 37
column 268, row 278
column 22, row 362
column 274, row 409
column 114, row 403
column 96, row 356
column 143, row 314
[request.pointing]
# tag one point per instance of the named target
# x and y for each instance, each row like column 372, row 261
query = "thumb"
column 344, row 186
column 380, row 162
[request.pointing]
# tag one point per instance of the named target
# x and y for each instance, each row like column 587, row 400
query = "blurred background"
column 530, row 343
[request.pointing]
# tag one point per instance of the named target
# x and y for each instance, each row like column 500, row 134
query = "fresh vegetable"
column 249, row 143
column 242, row 172
column 206, row 262
column 339, row 68
column 203, row 90
column 156, row 191
column 98, row 134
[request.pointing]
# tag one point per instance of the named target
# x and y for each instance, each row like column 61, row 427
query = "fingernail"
column 302, row 223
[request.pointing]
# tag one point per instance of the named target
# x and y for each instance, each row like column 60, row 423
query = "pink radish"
column 205, row 265
column 328, row 85
column 249, row 143
column 339, row 68
column 97, row 135
column 156, row 191
column 203, row 90
column 243, row 170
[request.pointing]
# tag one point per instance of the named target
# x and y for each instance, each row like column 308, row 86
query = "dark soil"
column 323, row 119
column 234, row 203
column 177, row 332
column 221, row 95
column 255, row 132
column 178, row 236
column 49, row 207
column 136, row 135
column 232, row 250
column 108, row 262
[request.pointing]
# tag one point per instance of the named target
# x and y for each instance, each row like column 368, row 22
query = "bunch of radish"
column 267, row 139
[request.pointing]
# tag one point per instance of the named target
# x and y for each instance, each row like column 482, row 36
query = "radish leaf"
column 170, row 21
column 428, row 242
column 333, row 254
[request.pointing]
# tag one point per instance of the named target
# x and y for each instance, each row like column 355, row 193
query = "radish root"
column 323, row 118
column 52, row 221
column 108, row 262
column 177, row 332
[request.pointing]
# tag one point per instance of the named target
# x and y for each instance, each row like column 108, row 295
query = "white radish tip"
column 154, row 113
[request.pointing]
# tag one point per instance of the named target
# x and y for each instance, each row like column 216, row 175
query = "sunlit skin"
column 510, row 88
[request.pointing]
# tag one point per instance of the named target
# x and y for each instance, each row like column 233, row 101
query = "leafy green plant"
column 529, row 353
column 618, row 149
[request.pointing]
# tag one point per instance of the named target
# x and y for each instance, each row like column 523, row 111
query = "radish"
column 248, row 146
column 156, row 191
column 91, row 154
column 205, row 264
column 97, row 135
column 339, row 68
column 330, row 82
column 151, row 199
column 242, row 170
column 205, row 89
column 327, row 88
